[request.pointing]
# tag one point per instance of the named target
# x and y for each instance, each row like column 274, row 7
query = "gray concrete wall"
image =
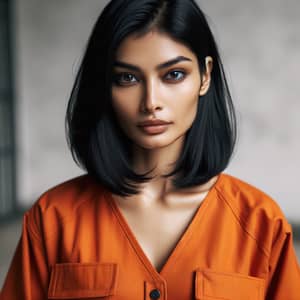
column 260, row 44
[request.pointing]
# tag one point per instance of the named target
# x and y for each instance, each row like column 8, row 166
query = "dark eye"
column 175, row 75
column 124, row 79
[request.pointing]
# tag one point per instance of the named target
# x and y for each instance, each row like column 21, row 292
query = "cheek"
column 186, row 103
column 124, row 103
column 188, row 114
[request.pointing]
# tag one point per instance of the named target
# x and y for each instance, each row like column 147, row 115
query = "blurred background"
column 41, row 44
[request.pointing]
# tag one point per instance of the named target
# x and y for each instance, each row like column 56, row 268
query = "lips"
column 153, row 127
column 155, row 122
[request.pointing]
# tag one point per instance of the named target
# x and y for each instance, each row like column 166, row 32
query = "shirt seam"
column 27, row 226
column 63, row 220
column 125, row 231
column 243, row 225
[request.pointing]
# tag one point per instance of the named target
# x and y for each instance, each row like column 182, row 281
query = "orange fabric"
column 76, row 244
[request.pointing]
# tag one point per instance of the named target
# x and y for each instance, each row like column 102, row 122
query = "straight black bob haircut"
column 95, row 138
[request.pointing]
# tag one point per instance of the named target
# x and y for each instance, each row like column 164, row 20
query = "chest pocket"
column 83, row 280
column 211, row 285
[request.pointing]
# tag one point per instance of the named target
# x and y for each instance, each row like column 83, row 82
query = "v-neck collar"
column 193, row 224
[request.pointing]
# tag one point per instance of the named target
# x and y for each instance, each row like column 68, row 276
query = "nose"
column 151, row 97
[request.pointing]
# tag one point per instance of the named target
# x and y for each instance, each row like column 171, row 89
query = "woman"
column 151, row 120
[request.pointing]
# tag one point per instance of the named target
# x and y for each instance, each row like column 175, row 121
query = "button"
column 155, row 294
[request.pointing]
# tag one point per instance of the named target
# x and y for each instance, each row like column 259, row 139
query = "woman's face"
column 155, row 89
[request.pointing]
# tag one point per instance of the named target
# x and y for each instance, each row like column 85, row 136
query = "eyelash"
column 117, row 78
column 183, row 74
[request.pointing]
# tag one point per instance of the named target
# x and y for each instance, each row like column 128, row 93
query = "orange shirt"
column 76, row 244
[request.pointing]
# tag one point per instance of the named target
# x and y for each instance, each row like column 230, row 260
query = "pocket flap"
column 227, row 286
column 82, row 280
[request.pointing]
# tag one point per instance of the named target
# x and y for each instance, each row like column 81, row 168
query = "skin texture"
column 144, row 88
column 170, row 94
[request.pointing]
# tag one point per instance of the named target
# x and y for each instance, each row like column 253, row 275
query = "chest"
column 185, row 248
column 159, row 230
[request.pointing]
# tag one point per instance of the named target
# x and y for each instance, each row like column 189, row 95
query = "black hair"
column 95, row 138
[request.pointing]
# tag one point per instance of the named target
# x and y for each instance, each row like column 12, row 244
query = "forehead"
column 152, row 47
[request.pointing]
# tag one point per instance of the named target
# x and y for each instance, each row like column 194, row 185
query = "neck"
column 160, row 161
column 160, row 190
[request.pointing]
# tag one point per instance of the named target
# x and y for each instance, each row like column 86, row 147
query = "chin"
column 151, row 145
column 156, row 142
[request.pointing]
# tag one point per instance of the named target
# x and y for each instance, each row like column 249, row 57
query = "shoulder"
column 256, row 212
column 71, row 193
column 65, row 202
column 246, row 198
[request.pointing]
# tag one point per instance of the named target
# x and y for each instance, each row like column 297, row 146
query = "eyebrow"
column 159, row 67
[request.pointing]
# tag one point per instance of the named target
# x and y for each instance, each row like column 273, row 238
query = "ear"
column 206, row 76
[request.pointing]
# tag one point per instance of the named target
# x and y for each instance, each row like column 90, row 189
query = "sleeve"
column 27, row 277
column 284, row 272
